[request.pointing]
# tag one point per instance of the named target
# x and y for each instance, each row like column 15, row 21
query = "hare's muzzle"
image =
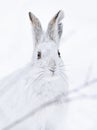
column 52, row 65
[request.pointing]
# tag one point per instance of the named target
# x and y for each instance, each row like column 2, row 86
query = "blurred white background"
column 78, row 44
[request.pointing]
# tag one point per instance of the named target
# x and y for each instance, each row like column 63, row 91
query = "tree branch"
column 56, row 100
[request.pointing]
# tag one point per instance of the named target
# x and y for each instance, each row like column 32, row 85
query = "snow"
column 78, row 51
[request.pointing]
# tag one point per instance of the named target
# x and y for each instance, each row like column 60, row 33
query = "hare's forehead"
column 47, row 47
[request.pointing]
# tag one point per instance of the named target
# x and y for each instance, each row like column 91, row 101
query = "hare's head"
column 46, row 55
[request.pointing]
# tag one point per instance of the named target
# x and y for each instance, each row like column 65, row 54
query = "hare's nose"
column 52, row 65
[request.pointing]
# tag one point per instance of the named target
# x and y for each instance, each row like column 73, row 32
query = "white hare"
column 38, row 86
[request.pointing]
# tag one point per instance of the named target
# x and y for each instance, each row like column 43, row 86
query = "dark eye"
column 39, row 55
column 59, row 54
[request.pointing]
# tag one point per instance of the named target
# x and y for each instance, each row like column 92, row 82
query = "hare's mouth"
column 52, row 71
column 51, row 75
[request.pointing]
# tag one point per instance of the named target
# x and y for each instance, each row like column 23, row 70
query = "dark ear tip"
column 60, row 11
column 57, row 14
column 30, row 16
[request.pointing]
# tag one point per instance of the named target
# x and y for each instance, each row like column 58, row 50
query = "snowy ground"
column 78, row 50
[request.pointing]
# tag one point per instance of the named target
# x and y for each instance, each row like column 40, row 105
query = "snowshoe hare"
column 31, row 98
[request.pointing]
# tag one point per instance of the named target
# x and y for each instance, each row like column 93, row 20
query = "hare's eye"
column 39, row 55
column 59, row 54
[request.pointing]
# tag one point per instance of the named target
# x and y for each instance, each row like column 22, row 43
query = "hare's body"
column 31, row 98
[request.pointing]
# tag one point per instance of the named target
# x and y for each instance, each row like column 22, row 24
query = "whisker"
column 28, row 86
column 62, row 72
column 63, row 77
column 61, row 66
column 33, row 80
column 39, row 77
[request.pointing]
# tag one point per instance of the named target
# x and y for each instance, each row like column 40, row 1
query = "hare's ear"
column 36, row 28
column 55, row 27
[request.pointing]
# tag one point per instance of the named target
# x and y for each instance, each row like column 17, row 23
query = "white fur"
column 36, row 85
